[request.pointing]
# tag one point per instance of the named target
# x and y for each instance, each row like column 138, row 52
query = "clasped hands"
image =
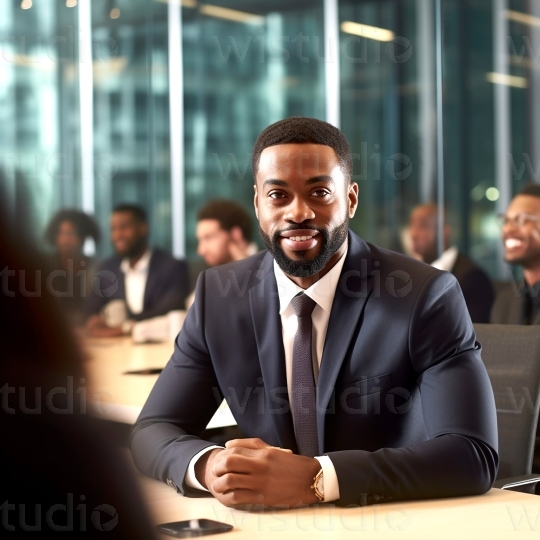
column 250, row 471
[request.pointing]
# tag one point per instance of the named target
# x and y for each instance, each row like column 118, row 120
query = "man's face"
column 303, row 203
column 423, row 230
column 522, row 243
column 128, row 235
column 213, row 242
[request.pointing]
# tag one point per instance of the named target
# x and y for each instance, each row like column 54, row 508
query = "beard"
column 331, row 242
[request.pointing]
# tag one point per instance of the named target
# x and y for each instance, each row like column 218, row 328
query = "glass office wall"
column 247, row 63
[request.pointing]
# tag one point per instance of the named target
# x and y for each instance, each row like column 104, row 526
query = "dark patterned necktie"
column 303, row 406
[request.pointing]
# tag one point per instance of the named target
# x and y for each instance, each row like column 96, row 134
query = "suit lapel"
column 264, row 303
column 354, row 288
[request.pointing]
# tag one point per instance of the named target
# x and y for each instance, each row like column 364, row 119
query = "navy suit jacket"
column 166, row 287
column 406, row 409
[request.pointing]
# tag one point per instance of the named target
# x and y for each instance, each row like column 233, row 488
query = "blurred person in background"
column 224, row 234
column 474, row 282
column 56, row 471
column 139, row 282
column 519, row 303
column 70, row 271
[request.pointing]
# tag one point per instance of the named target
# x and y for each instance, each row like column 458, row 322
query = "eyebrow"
column 316, row 179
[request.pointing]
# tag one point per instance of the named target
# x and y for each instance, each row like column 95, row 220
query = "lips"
column 300, row 239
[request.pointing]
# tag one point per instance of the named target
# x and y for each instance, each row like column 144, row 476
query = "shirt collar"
column 322, row 291
column 447, row 260
column 140, row 266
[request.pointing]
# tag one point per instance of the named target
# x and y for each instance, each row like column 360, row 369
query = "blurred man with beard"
column 519, row 303
column 137, row 283
column 353, row 370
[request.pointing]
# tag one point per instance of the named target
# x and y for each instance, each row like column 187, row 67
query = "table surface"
column 120, row 397
column 496, row 515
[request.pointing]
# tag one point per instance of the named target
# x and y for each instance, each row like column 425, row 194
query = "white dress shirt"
column 322, row 292
column 447, row 260
column 135, row 278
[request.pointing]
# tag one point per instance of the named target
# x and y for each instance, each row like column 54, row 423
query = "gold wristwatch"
column 318, row 485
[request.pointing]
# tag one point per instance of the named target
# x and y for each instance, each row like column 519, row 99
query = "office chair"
column 511, row 355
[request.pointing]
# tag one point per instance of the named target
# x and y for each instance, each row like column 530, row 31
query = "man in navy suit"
column 146, row 282
column 402, row 405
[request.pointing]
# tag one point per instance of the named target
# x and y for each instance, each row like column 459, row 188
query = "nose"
column 299, row 211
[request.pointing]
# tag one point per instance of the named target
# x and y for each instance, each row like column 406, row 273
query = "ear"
column 352, row 198
column 236, row 234
column 256, row 200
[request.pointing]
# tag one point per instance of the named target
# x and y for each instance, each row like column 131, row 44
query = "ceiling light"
column 115, row 13
column 26, row 4
column 523, row 18
column 231, row 14
column 508, row 80
column 369, row 32
column 184, row 3
column 71, row 3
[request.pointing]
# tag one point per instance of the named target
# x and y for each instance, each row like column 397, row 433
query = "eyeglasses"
column 519, row 220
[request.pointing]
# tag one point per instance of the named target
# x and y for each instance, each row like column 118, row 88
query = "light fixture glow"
column 231, row 14
column 508, row 80
column 26, row 4
column 492, row 194
column 115, row 13
column 523, row 18
column 369, row 32
column 183, row 3
column 71, row 3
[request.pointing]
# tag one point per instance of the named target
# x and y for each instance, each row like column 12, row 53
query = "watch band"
column 318, row 485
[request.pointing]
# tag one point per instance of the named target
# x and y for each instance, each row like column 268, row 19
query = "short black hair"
column 85, row 225
column 135, row 210
column 530, row 189
column 303, row 130
column 229, row 215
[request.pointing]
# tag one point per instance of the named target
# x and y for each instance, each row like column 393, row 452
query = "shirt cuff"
column 331, row 485
column 190, row 478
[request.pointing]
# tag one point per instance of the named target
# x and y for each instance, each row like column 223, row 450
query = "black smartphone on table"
column 193, row 527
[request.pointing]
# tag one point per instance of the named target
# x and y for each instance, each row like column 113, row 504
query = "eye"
column 276, row 195
column 321, row 192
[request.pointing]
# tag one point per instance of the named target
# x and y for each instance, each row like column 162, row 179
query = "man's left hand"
column 249, row 471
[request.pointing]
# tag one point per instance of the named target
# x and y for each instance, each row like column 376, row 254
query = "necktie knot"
column 303, row 305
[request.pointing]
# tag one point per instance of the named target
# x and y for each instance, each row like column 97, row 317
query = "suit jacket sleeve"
column 460, row 455
column 186, row 395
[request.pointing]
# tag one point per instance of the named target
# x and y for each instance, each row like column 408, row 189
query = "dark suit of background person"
column 57, row 472
column 519, row 303
column 167, row 281
column 405, row 406
column 474, row 282
column 166, row 288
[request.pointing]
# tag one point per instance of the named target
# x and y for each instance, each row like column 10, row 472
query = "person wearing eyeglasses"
column 519, row 303
column 474, row 282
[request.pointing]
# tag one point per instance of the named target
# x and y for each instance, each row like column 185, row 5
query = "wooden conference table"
column 119, row 397
column 496, row 515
